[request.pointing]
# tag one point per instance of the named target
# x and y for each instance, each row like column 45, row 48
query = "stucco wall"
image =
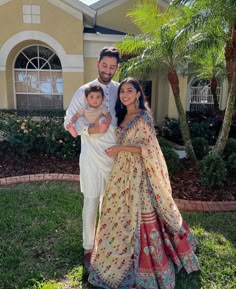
column 67, row 29
column 162, row 96
column 116, row 17
column 59, row 30
column 3, row 94
column 72, row 81
column 172, row 110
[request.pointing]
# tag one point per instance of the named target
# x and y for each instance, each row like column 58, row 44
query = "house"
column 48, row 48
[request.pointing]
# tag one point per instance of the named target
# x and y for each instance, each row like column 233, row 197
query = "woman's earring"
column 121, row 105
column 137, row 102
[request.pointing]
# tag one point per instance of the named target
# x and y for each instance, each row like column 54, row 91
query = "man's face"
column 106, row 69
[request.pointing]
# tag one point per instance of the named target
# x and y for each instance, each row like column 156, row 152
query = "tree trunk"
column 174, row 82
column 230, row 56
column 214, row 93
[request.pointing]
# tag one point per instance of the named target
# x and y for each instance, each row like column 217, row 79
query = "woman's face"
column 128, row 94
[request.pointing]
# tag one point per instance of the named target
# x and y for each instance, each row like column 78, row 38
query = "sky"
column 89, row 2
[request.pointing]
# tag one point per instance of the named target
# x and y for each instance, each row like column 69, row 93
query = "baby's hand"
column 69, row 126
column 103, row 125
column 71, row 130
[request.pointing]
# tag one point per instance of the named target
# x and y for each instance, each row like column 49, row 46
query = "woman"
column 142, row 240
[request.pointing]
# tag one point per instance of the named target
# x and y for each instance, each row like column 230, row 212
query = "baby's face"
column 94, row 99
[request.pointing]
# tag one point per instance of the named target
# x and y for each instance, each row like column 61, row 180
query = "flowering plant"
column 46, row 135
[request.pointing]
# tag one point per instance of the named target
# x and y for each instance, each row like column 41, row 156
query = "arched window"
column 201, row 98
column 38, row 79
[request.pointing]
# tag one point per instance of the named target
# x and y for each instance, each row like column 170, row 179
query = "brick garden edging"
column 183, row 205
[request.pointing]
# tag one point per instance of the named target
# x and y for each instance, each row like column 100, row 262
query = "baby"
column 93, row 109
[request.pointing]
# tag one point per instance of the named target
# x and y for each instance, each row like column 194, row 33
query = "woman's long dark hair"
column 120, row 108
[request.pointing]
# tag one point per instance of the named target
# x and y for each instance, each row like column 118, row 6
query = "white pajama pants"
column 89, row 216
column 95, row 168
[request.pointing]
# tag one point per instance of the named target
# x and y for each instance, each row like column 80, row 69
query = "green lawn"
column 41, row 241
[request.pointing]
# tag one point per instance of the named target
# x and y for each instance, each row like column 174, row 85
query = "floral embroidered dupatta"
column 138, row 192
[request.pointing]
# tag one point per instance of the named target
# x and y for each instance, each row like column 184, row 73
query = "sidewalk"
column 183, row 205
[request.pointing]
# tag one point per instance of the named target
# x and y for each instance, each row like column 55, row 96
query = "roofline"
column 85, row 9
column 77, row 9
column 103, row 3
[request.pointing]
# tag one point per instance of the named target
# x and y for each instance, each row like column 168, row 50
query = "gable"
column 110, row 13
column 75, row 8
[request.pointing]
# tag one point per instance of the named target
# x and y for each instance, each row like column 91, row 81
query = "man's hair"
column 93, row 88
column 110, row 52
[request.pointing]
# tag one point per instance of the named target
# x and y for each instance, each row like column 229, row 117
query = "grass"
column 41, row 241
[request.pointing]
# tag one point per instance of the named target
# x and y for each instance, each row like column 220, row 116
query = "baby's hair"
column 93, row 88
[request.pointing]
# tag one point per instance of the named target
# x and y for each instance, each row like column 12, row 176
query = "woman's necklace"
column 129, row 117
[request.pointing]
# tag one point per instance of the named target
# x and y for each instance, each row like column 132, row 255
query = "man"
column 95, row 165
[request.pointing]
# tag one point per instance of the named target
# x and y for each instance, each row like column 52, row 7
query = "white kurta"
column 95, row 165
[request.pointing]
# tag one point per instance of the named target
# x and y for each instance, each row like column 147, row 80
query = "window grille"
column 38, row 79
column 201, row 98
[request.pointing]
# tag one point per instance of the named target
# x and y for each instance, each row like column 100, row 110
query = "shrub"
column 230, row 148
column 59, row 142
column 231, row 166
column 171, row 157
column 212, row 171
column 164, row 143
column 26, row 135
column 200, row 146
column 20, row 133
column 170, row 129
column 205, row 128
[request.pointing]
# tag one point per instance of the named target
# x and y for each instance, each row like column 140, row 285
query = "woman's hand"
column 113, row 151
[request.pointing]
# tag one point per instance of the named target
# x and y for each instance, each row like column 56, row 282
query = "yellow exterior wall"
column 172, row 110
column 66, row 32
column 72, row 81
column 91, row 71
column 67, row 29
column 162, row 98
column 117, row 18
column 3, row 98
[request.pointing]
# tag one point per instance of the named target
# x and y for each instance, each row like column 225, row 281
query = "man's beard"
column 105, row 79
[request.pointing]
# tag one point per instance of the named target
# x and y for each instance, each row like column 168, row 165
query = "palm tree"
column 222, row 12
column 210, row 65
column 158, row 46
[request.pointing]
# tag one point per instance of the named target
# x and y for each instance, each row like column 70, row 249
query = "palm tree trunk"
column 214, row 94
column 174, row 82
column 230, row 56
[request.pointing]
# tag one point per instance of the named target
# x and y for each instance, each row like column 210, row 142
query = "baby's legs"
column 72, row 130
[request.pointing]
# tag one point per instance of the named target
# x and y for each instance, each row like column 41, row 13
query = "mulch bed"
column 185, row 184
